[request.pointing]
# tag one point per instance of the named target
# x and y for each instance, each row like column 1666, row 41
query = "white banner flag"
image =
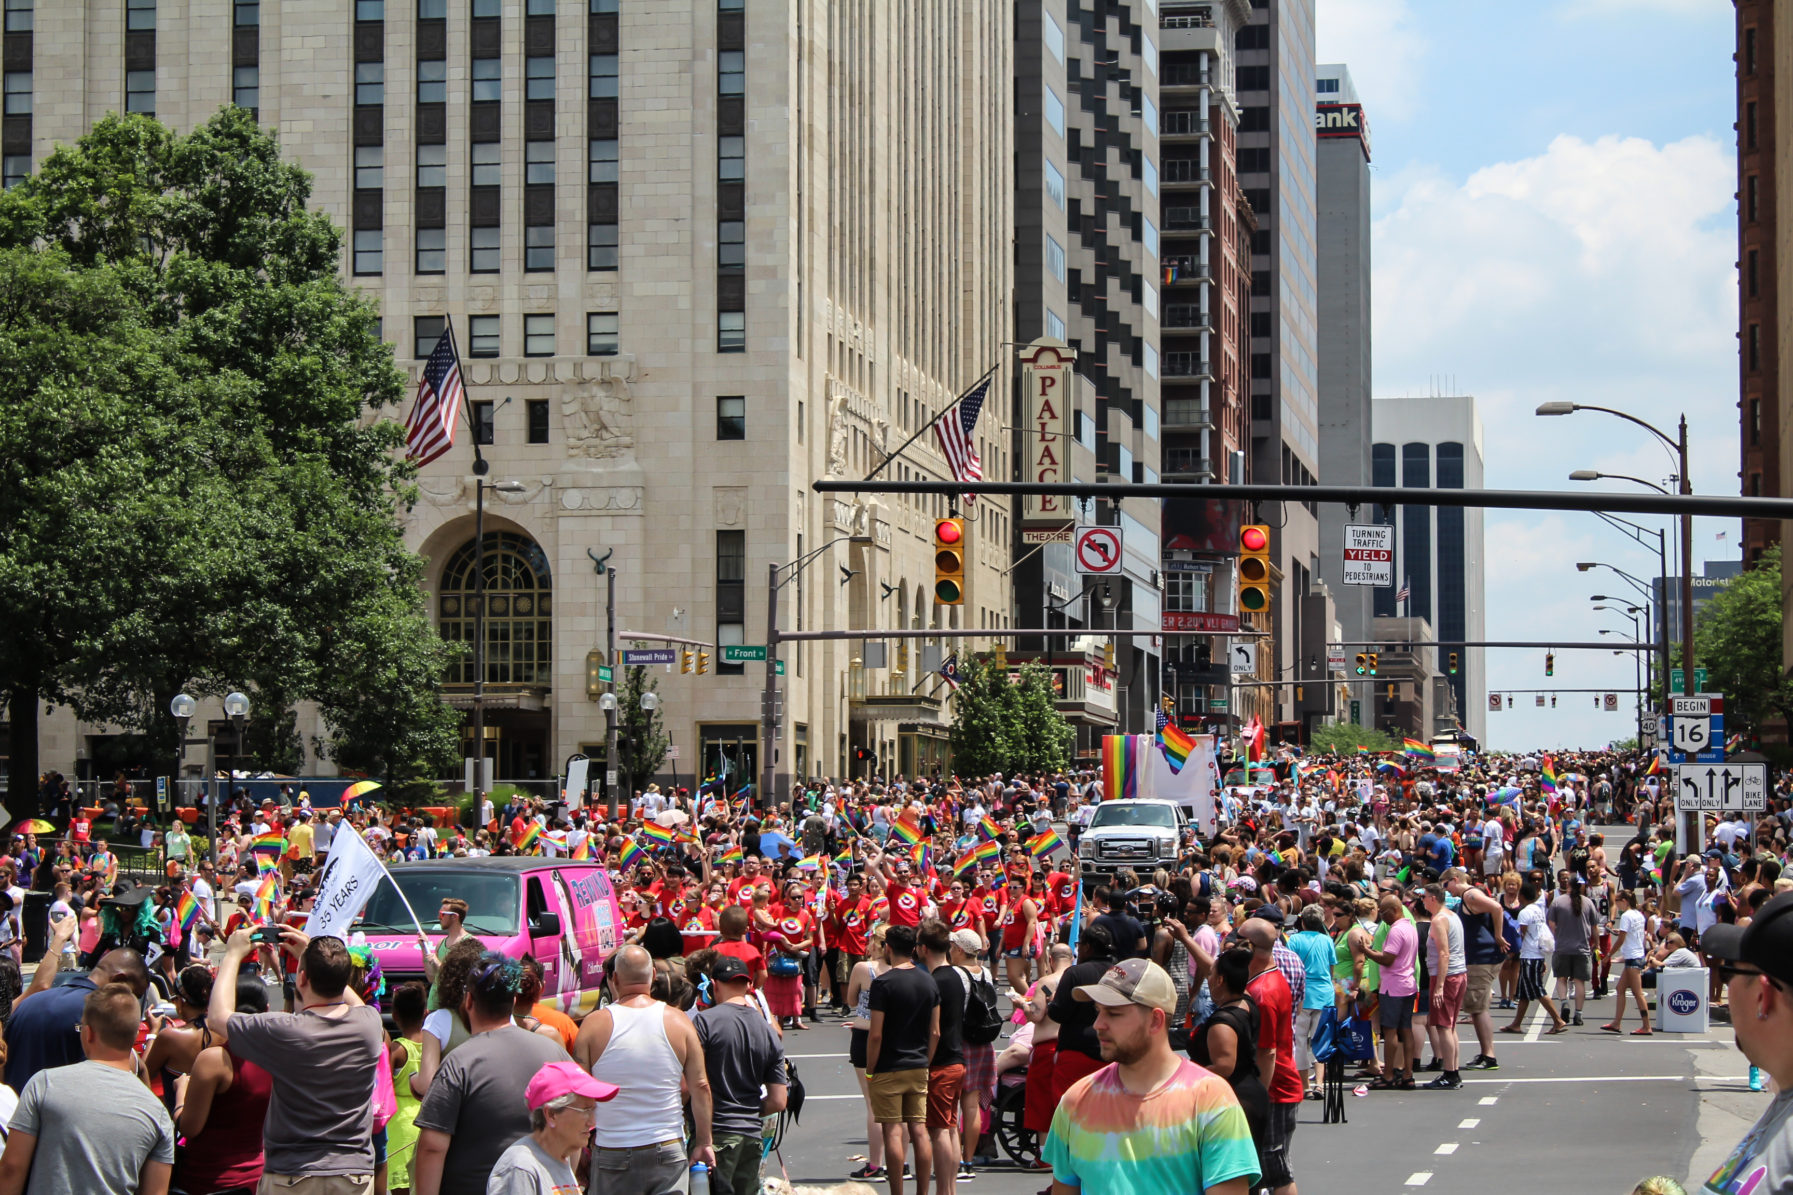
column 351, row 873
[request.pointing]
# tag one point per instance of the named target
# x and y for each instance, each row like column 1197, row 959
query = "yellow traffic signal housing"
column 1453, row 663
column 949, row 562
column 1372, row 663
column 1254, row 568
column 1108, row 655
column 685, row 659
column 1363, row 664
column 703, row 662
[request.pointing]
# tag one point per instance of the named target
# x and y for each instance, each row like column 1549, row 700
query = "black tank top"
column 1246, row 1082
column 1478, row 937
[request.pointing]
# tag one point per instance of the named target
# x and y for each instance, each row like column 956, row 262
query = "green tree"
column 641, row 738
column 1342, row 738
column 1004, row 726
column 1738, row 640
column 190, row 494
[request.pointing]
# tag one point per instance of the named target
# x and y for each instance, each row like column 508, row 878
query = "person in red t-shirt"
column 905, row 898
column 851, row 914
column 1276, row 1053
column 1018, row 922
column 732, row 923
column 750, row 876
column 1061, row 896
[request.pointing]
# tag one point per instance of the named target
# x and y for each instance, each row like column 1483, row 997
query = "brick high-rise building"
column 1761, row 162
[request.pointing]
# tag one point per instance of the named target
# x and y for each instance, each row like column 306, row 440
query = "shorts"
column 1572, row 965
column 1279, row 1131
column 1447, row 1001
column 856, row 1041
column 1633, row 964
column 1531, row 979
column 1493, row 863
column 980, row 1070
column 1305, row 1020
column 1480, row 987
column 944, row 1085
column 899, row 1097
column 844, row 964
column 1394, row 1012
column 1028, row 950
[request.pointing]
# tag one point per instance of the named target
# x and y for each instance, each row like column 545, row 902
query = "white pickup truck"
column 1142, row 834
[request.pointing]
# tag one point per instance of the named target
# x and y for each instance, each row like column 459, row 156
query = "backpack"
column 983, row 1021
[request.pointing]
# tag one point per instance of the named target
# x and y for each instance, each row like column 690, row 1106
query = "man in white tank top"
column 1450, row 980
column 639, row 1144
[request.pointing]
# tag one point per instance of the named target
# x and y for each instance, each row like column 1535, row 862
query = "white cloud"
column 1377, row 40
column 1596, row 272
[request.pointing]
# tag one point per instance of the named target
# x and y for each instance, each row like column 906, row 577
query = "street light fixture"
column 236, row 708
column 1596, row 475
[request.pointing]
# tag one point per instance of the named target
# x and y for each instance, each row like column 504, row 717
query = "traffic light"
column 703, row 662
column 1254, row 569
column 1363, row 664
column 685, row 659
column 1509, row 701
column 1553, row 701
column 1453, row 663
column 1108, row 655
column 949, row 562
column 902, row 657
column 1372, row 663
column 1549, row 663
column 1001, row 655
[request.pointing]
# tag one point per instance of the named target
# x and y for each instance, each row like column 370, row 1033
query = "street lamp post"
column 236, row 708
column 650, row 702
column 480, row 485
column 1661, row 599
column 182, row 707
column 1631, row 612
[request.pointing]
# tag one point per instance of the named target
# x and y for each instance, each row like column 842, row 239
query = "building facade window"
column 731, row 73
column 538, row 162
column 484, row 255
column 432, row 80
column 603, row 76
column 1055, row 258
column 19, row 15
column 538, row 335
column 432, row 250
column 432, row 166
column 370, row 167
column 370, row 251
column 519, row 610
column 601, row 242
column 731, row 331
column 601, row 333
column 370, row 84
column 18, row 93
column 488, row 171
column 487, row 8
column 245, row 87
column 538, row 248
column 731, row 158
column 483, row 339
column 426, row 330
column 539, row 8
column 140, row 15
column 1055, row 185
column 432, row 10
column 603, row 160
column 484, row 422
column 14, row 169
column 731, row 417
column 731, row 244
column 537, row 412
column 1055, row 112
column 140, row 92
column 370, row 10
column 731, row 592
column 488, row 80
column 538, row 78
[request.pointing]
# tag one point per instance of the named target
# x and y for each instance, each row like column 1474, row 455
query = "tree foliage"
column 1007, row 726
column 191, row 496
column 1738, row 640
column 641, row 738
column 1342, row 738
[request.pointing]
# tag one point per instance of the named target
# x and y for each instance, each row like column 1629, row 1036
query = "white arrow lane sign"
column 1243, row 658
column 1734, row 787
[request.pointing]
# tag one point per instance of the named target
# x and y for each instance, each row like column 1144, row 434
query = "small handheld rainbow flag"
column 732, row 855
column 845, row 857
column 583, row 850
column 272, row 843
column 906, row 830
column 531, row 832
column 1044, row 844
column 265, row 863
column 1390, row 766
column 1415, row 749
column 965, row 863
column 987, row 850
column 264, row 900
column 1655, row 768
column 1176, row 746
column 921, row 854
column 630, row 854
column 987, row 825
column 810, row 863
column 186, row 910
column 1547, row 777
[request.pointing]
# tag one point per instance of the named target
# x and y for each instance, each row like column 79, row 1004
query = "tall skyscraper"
column 695, row 257
column 1276, row 169
column 1206, row 272
column 1763, row 109
column 1086, row 272
column 1436, row 442
column 1343, row 235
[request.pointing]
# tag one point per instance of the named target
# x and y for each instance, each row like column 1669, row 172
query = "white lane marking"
column 1618, row 1079
column 1447, row 1149
column 1539, row 1020
column 1469, row 1122
column 1487, row 1101
column 1419, row 1178
column 815, row 1055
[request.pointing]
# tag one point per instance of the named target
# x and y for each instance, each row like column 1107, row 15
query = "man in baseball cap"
column 563, row 1100
column 1191, row 1135
column 1756, row 963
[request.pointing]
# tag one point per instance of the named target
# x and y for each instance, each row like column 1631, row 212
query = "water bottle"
column 700, row 1179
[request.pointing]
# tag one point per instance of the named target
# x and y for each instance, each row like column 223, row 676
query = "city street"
column 1585, row 1111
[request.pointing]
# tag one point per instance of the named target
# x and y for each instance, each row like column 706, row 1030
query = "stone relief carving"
column 731, row 504
column 837, row 435
column 597, row 419
column 622, row 499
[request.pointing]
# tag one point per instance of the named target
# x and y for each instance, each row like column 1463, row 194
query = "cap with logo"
column 1135, row 981
column 1765, row 943
column 727, row 969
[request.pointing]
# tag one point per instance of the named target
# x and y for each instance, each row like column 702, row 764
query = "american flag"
column 949, row 672
column 1406, row 590
column 1163, row 719
column 429, row 432
column 954, row 431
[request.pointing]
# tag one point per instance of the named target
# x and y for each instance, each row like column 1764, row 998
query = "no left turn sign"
column 1098, row 550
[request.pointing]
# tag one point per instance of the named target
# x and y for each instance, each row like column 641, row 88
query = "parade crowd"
column 1335, row 923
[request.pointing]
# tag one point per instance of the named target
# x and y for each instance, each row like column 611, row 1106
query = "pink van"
column 560, row 912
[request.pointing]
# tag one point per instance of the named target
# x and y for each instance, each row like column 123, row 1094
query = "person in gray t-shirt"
column 476, row 1105
column 746, row 1067
column 93, row 1126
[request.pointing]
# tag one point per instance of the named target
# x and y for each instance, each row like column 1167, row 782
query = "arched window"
column 519, row 609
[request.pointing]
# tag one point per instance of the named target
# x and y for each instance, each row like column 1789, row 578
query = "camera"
column 269, row 934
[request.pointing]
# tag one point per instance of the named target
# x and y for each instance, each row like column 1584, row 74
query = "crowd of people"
column 1357, row 904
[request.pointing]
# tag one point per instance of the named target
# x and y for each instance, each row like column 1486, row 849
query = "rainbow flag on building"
column 1044, row 844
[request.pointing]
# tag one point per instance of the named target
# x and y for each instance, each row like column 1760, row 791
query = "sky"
column 1553, row 219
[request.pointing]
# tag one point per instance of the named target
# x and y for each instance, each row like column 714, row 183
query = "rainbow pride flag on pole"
column 583, row 850
column 987, row 850
column 732, row 855
column 1547, row 777
column 272, row 845
column 657, row 834
column 988, row 826
column 1174, row 743
column 186, row 911
column 630, row 855
column 531, row 832
column 965, row 863
column 263, row 913
column 1416, row 750
column 1044, row 844
column 907, row 830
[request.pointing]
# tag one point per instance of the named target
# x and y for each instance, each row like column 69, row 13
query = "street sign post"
column 1242, row 657
column 604, row 674
column 1721, row 787
column 1098, row 551
column 1696, row 729
column 744, row 653
column 1369, row 554
column 1676, row 677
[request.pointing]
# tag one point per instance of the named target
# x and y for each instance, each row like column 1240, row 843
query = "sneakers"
column 966, row 1172
column 1448, row 1081
column 1755, row 1078
column 1577, row 1020
column 867, row 1172
column 1434, row 1066
column 1481, row 1062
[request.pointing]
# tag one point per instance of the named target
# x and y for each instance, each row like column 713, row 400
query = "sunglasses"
column 1727, row 972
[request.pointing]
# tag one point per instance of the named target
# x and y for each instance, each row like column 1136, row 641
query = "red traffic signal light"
column 1254, row 539
column 949, row 562
column 1254, row 569
column 948, row 531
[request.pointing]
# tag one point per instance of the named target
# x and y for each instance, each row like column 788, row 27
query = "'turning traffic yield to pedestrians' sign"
column 1098, row 550
column 1369, row 554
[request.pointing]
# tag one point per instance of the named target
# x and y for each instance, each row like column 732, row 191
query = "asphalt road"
column 1584, row 1111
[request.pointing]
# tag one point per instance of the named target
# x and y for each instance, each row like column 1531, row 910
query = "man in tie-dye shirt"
column 1150, row 1121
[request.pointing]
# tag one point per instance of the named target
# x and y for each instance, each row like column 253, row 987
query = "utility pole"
column 769, row 696
column 610, row 760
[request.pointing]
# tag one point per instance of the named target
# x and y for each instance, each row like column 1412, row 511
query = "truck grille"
column 1125, row 848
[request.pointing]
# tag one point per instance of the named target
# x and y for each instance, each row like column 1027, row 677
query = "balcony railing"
column 1182, row 122
column 1186, row 315
column 1186, row 219
column 1187, row 413
column 1186, row 365
column 1183, row 270
column 1184, row 170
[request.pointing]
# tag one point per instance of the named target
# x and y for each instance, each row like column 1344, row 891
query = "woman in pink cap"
column 563, row 1101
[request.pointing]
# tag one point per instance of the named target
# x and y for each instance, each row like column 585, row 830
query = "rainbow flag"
column 1655, row 768
column 273, row 843
column 1045, row 843
column 922, row 855
column 583, row 850
column 263, row 913
column 988, row 826
column 264, row 863
column 1389, row 765
column 630, row 854
column 186, row 910
column 1415, row 749
column 987, row 850
column 358, row 789
column 845, row 857
column 1176, row 746
column 1547, row 777
column 1365, row 751
column 531, row 832
column 657, row 834
column 810, row 863
column 732, row 855
column 906, row 830
column 965, row 863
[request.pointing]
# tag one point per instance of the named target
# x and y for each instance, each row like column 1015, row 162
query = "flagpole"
column 879, row 468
